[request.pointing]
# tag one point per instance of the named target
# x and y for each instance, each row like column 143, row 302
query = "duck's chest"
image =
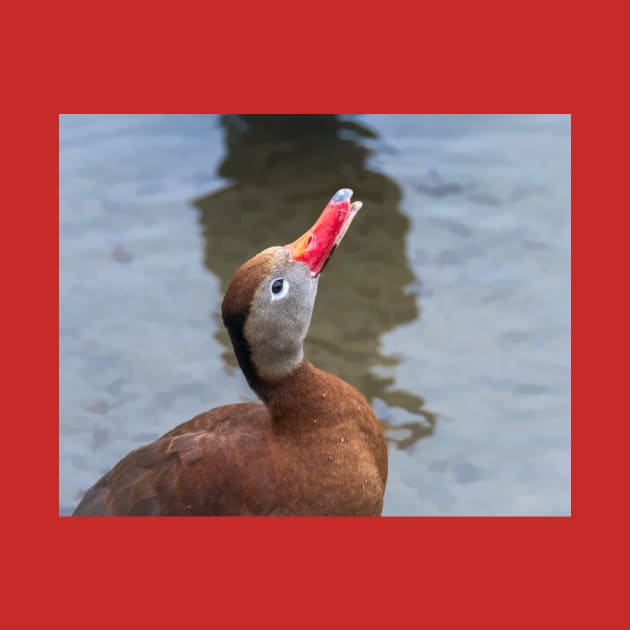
column 331, row 472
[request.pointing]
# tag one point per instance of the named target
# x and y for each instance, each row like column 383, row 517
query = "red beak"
column 316, row 246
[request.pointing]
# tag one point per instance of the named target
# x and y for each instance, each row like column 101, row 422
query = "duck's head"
column 268, row 305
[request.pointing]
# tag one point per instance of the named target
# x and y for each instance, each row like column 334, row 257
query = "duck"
column 312, row 446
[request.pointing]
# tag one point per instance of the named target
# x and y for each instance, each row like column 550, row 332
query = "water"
column 447, row 305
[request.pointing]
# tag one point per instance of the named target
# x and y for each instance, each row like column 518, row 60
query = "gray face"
column 280, row 315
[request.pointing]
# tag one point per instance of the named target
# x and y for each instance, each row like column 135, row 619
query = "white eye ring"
column 281, row 286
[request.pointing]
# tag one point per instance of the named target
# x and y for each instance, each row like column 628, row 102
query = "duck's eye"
column 279, row 288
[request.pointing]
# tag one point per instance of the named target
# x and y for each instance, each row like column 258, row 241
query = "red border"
column 448, row 572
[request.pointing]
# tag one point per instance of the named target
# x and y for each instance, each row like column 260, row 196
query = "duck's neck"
column 296, row 393
column 302, row 398
column 280, row 391
column 267, row 360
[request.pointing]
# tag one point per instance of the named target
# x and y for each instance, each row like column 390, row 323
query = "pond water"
column 447, row 305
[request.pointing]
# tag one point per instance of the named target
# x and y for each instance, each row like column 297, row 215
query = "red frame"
column 445, row 572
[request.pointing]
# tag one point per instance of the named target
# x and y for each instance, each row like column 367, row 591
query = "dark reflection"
column 283, row 170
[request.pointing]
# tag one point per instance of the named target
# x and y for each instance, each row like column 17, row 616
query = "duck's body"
column 332, row 460
column 313, row 448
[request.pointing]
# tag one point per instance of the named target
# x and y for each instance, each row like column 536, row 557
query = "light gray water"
column 447, row 305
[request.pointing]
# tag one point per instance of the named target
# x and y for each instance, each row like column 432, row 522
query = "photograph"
column 315, row 315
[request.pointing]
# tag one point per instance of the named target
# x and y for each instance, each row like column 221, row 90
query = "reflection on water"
column 283, row 170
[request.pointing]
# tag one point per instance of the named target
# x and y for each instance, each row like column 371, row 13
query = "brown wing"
column 223, row 419
column 194, row 469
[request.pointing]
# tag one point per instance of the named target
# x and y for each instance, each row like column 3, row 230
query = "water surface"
column 447, row 305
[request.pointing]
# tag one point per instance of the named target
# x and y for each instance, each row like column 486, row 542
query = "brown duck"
column 314, row 447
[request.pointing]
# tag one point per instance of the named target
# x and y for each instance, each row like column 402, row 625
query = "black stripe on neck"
column 235, row 324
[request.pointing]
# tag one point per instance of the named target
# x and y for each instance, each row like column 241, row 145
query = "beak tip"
column 343, row 194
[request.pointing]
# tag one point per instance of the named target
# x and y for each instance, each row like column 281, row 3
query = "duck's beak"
column 316, row 246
